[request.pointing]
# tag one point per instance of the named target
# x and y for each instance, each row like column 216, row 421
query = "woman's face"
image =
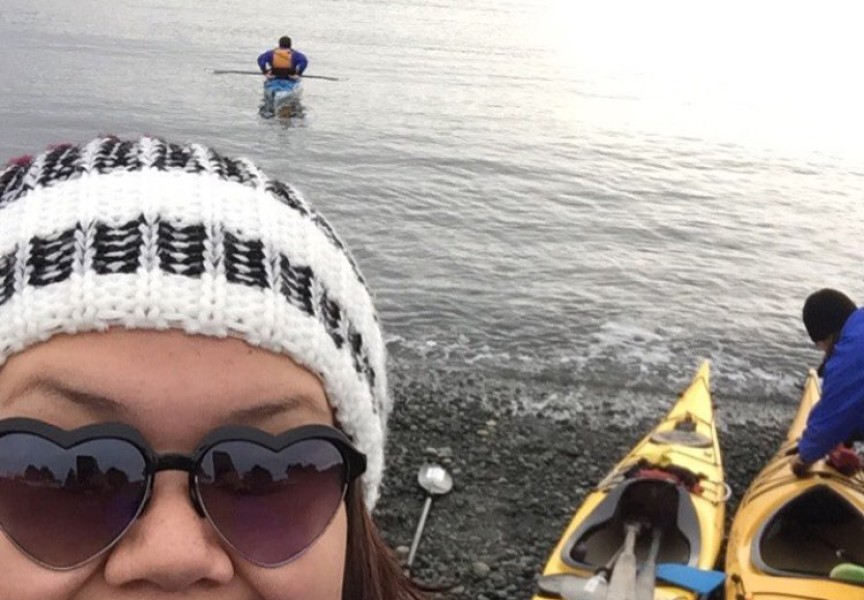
column 174, row 388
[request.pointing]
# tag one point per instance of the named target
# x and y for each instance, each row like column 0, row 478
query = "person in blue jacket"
column 283, row 62
column 836, row 326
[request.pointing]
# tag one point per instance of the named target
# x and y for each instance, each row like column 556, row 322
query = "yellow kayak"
column 671, row 482
column 789, row 533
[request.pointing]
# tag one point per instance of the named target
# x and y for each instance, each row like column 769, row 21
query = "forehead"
column 173, row 386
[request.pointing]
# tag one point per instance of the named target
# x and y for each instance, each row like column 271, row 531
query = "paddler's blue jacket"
column 298, row 60
column 840, row 412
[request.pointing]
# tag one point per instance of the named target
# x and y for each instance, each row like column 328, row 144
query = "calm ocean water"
column 583, row 200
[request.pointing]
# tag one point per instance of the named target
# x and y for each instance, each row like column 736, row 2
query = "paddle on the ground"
column 646, row 579
column 238, row 72
column 436, row 481
column 703, row 581
column 622, row 586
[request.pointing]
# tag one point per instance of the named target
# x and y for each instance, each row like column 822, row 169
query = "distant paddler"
column 283, row 62
column 283, row 68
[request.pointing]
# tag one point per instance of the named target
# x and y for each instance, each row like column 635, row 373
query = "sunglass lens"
column 65, row 506
column 271, row 506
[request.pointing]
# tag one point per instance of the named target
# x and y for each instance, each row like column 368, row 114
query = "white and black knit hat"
column 150, row 235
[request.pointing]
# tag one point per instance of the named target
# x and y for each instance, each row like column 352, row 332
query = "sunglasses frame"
column 354, row 462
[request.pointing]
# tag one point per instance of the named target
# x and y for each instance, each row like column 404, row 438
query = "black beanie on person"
column 825, row 313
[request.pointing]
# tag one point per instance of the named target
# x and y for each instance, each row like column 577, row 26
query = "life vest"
column 283, row 63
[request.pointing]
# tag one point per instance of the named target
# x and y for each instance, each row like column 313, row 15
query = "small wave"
column 620, row 358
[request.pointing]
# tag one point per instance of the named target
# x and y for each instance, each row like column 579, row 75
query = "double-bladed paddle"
column 574, row 587
column 622, row 586
column 239, row 72
column 646, row 579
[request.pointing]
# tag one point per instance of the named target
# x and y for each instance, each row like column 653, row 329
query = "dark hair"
column 284, row 42
column 825, row 312
column 372, row 571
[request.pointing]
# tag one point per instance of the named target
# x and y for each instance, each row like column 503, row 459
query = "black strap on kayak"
column 740, row 592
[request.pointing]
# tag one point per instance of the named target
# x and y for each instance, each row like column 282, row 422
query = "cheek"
column 318, row 573
column 25, row 580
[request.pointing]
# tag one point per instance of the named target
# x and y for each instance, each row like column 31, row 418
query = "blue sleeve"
column 300, row 61
column 839, row 412
column 265, row 59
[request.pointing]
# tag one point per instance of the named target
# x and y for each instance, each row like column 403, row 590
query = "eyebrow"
column 266, row 410
column 102, row 404
column 85, row 399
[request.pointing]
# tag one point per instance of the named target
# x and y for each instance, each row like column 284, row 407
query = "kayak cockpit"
column 655, row 503
column 810, row 535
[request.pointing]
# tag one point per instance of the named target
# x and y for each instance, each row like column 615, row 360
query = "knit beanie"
column 825, row 313
column 146, row 234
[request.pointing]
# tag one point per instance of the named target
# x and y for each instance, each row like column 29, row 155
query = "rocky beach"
column 518, row 478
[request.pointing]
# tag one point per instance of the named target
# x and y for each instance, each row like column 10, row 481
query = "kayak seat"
column 810, row 535
column 657, row 503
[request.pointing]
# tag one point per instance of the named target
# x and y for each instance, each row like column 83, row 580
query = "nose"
column 169, row 547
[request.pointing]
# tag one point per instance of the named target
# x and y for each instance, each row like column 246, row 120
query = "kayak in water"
column 281, row 98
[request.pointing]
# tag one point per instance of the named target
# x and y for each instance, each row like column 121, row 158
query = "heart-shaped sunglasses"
column 68, row 496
